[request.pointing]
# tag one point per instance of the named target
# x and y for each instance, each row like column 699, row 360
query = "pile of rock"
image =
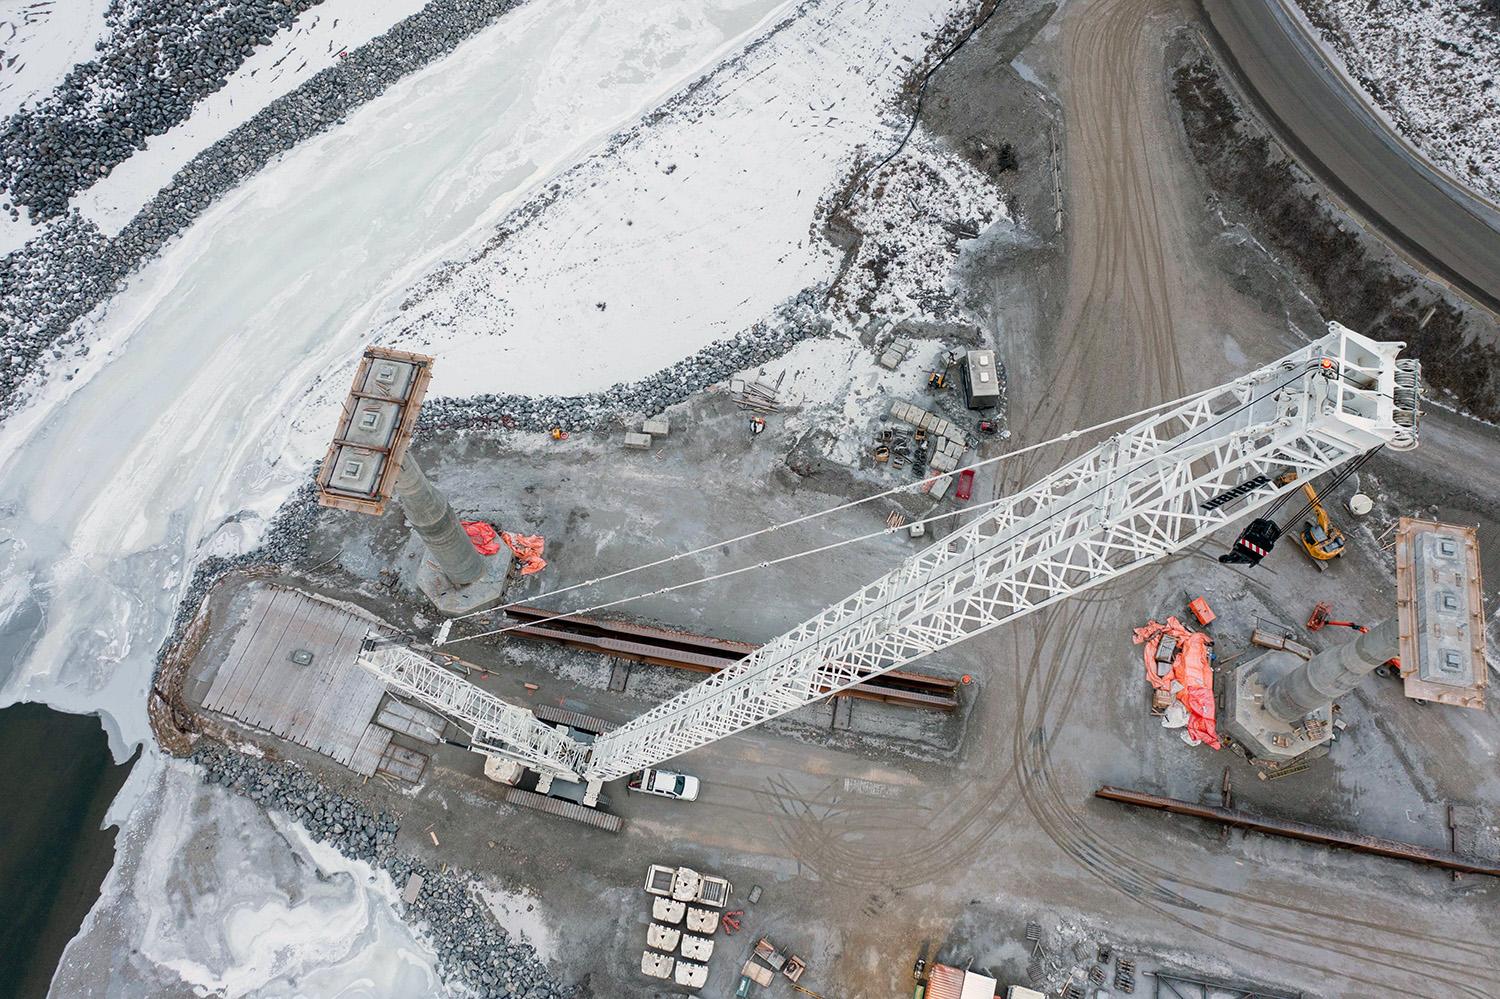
column 799, row 320
column 472, row 949
column 328, row 816
column 58, row 277
column 469, row 945
column 156, row 61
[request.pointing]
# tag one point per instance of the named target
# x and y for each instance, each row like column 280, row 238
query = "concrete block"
column 940, row 487
column 641, row 442
column 657, row 426
column 926, row 421
column 917, row 530
column 944, row 462
column 891, row 359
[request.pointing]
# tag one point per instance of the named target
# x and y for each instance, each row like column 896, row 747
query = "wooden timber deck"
column 326, row 705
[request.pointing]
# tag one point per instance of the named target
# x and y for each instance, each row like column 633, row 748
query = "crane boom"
column 1145, row 493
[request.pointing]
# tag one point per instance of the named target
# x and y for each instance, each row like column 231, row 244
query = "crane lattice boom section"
column 499, row 727
column 1149, row 491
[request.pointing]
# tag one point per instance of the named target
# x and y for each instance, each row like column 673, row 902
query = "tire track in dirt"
column 1121, row 308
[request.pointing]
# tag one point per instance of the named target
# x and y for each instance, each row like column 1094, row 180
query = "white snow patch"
column 911, row 212
column 1433, row 69
column 521, row 914
column 691, row 230
column 316, row 40
column 40, row 40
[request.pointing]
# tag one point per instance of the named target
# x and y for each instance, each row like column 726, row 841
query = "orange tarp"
column 1190, row 668
column 486, row 542
column 527, row 549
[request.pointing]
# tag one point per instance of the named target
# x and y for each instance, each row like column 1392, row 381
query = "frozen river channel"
column 204, row 398
column 198, row 410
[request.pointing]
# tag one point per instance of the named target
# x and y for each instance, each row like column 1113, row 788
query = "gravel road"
column 1445, row 228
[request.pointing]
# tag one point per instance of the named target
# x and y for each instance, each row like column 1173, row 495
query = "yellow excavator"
column 1323, row 541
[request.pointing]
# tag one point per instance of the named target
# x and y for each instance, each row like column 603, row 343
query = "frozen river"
column 204, row 397
column 206, row 392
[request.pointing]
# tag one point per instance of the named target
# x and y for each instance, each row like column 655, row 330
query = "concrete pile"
column 58, row 277
column 798, row 320
column 472, row 949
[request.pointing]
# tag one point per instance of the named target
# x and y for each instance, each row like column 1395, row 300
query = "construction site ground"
column 922, row 833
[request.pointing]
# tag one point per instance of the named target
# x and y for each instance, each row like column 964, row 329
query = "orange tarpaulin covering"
column 1190, row 669
column 486, row 541
column 528, row 551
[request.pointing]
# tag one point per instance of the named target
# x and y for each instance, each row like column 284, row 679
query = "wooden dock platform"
column 325, row 704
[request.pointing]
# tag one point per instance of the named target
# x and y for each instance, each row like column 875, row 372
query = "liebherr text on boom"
column 1154, row 489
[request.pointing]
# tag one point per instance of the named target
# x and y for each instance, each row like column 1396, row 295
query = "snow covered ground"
column 688, row 231
column 315, row 41
column 40, row 40
column 1433, row 69
column 218, row 894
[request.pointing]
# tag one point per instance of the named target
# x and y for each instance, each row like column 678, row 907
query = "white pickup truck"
column 667, row 783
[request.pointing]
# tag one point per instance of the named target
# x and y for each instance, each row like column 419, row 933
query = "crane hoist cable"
column 805, row 518
column 698, row 581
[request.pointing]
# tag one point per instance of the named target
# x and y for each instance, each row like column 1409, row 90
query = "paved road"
column 1435, row 221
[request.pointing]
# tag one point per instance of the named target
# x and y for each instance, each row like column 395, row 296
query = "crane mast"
column 1154, row 489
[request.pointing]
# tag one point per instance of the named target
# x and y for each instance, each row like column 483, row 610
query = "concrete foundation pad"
column 418, row 568
column 1264, row 736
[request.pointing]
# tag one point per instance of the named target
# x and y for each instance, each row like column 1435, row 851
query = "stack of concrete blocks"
column 945, row 440
column 895, row 353
column 657, row 426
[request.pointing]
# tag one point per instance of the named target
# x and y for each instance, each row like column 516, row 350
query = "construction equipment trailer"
column 1172, row 479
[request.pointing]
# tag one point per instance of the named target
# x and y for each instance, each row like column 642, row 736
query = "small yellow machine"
column 1323, row 541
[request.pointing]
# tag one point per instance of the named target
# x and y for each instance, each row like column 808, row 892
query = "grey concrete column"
column 1331, row 673
column 430, row 514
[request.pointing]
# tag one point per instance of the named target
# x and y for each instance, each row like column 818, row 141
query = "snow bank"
column 1433, row 68
column 315, row 41
column 689, row 229
column 40, row 40
column 211, row 892
column 39, row 43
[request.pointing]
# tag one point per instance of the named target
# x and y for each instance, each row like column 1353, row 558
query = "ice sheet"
column 210, row 891
column 212, row 379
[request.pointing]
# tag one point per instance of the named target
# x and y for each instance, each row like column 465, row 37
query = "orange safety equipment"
column 1204, row 613
column 527, row 549
column 483, row 535
column 1190, row 668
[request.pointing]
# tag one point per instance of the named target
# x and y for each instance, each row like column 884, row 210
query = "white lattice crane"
column 1161, row 485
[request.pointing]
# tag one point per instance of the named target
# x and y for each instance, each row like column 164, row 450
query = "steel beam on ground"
column 1304, row 831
